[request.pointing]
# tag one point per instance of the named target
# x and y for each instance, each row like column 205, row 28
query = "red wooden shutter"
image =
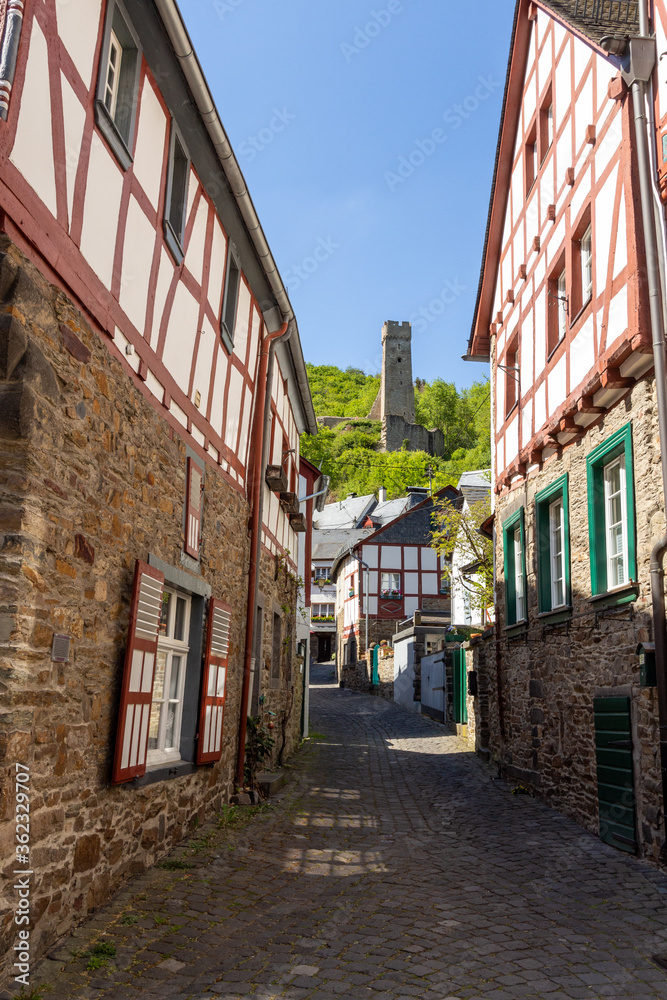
column 138, row 672
column 193, row 508
column 214, row 681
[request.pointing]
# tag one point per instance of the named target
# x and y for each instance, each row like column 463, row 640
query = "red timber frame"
column 214, row 683
column 572, row 413
column 53, row 244
column 138, row 674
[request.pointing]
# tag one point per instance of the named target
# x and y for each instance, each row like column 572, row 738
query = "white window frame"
column 550, row 127
column 586, row 265
column 113, row 69
column 561, row 298
column 519, row 593
column 557, row 552
column 171, row 647
column 614, row 558
column 390, row 576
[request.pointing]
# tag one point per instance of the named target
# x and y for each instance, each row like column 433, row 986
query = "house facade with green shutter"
column 570, row 704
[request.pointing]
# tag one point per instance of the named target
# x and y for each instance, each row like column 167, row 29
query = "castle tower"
column 397, row 397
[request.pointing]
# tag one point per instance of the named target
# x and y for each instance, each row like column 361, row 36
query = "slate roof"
column 327, row 542
column 344, row 513
column 597, row 18
column 475, row 486
column 388, row 510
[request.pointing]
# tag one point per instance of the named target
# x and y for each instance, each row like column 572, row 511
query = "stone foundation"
column 93, row 478
column 535, row 707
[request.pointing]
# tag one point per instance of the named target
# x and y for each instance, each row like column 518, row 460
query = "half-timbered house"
column 152, row 394
column 385, row 577
column 564, row 315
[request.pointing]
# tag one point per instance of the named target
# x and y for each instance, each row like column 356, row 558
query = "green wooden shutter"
column 613, row 752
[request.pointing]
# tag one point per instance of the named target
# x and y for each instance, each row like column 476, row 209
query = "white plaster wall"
column 201, row 382
column 233, row 407
column 556, row 384
column 391, row 557
column 102, row 207
column 149, row 151
column 32, row 152
column 137, row 262
column 181, row 334
column 74, row 117
column 78, row 26
column 194, row 258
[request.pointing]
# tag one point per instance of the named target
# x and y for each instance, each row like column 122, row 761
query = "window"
column 530, row 158
column 557, row 306
column 616, row 522
column 177, row 195
column 546, row 126
column 230, row 299
column 553, row 546
column 511, row 375
column 390, row 585
column 193, row 507
column 586, row 258
column 321, row 573
column 323, row 611
column 582, row 264
column 514, row 548
column 167, row 703
column 611, row 513
column 118, row 83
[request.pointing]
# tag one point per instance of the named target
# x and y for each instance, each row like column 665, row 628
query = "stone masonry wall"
column 540, row 702
column 92, row 478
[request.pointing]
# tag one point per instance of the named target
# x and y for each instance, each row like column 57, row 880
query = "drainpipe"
column 640, row 66
column 259, row 448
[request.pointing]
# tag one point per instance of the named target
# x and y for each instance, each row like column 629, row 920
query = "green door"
column 376, row 655
column 459, row 688
column 616, row 791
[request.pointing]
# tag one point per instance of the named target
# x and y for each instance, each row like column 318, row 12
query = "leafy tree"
column 350, row 455
column 456, row 526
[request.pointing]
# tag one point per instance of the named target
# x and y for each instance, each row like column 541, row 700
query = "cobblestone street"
column 392, row 866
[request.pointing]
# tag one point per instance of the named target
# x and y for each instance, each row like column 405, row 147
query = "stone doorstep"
column 269, row 783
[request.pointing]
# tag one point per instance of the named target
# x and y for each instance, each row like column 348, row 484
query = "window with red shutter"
column 138, row 673
column 209, row 745
column 193, row 508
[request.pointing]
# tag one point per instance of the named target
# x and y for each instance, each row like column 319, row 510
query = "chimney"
column 416, row 494
column 382, row 495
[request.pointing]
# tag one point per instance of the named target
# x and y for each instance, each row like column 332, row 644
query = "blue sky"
column 366, row 133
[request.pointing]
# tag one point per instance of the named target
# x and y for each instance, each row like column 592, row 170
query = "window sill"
column 517, row 629
column 173, row 242
column 226, row 337
column 615, row 598
column 114, row 139
column 164, row 772
column 557, row 615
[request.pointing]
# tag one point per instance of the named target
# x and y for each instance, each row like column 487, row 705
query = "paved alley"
column 394, row 866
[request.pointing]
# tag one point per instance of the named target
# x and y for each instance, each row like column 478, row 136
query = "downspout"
column 259, row 447
column 641, row 65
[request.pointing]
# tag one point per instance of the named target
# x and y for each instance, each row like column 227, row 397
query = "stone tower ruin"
column 395, row 402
